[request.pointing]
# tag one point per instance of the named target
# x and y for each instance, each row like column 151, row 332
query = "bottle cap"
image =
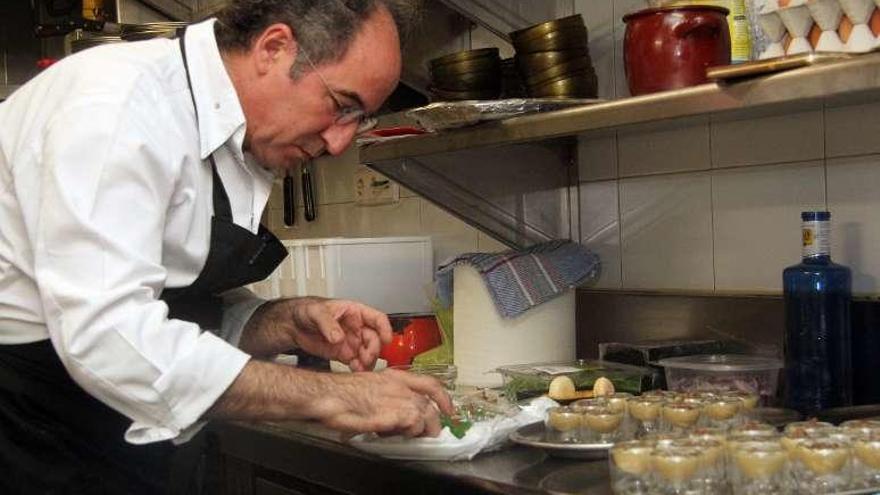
column 816, row 216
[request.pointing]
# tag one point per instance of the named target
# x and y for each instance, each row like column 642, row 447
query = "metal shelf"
column 857, row 76
column 517, row 179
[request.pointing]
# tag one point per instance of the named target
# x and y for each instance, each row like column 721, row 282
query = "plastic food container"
column 722, row 372
column 522, row 381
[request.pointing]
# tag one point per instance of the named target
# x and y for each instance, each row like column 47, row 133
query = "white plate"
column 443, row 448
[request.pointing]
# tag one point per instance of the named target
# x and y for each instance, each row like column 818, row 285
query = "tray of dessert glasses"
column 535, row 435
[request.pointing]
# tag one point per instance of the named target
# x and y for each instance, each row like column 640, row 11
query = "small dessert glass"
column 618, row 401
column 680, row 417
column 645, row 414
column 796, row 433
column 722, row 412
column 665, row 394
column 866, row 461
column 709, row 433
column 860, row 427
column 805, row 428
column 754, row 428
column 711, row 475
column 663, row 439
column 822, row 466
column 676, row 470
column 630, row 464
column 749, row 400
column 759, row 468
column 563, row 424
column 600, row 424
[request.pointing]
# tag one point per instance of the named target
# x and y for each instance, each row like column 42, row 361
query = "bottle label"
column 816, row 240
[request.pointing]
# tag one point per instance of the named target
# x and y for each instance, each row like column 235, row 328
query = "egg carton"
column 795, row 27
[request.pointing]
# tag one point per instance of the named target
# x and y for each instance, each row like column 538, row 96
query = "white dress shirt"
column 105, row 200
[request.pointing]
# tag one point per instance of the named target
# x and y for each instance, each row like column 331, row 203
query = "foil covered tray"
column 453, row 114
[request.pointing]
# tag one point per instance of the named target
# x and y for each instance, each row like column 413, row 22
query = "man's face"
column 292, row 120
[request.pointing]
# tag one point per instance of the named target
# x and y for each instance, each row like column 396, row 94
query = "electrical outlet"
column 372, row 188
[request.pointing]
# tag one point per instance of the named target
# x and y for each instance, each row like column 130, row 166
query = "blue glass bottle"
column 818, row 362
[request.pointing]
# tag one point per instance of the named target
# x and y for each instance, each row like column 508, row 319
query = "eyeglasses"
column 345, row 114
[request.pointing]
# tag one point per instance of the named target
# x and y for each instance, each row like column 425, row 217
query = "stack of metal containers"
column 467, row 75
column 553, row 59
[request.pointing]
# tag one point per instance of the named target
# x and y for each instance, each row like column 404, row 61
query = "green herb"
column 457, row 426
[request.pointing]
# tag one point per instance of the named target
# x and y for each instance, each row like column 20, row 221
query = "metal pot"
column 671, row 47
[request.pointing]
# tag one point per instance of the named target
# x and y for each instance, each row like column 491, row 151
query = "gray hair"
column 324, row 29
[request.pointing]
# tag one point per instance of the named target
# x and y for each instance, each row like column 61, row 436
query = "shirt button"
column 216, row 106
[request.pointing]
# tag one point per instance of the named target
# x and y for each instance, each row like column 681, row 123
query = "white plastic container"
column 484, row 341
column 392, row 274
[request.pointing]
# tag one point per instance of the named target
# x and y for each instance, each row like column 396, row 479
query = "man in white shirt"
column 132, row 180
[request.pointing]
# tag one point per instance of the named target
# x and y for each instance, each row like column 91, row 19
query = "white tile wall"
column 600, row 228
column 597, row 157
column 665, row 147
column 853, row 129
column 333, row 177
column 488, row 244
column 757, row 222
column 854, row 203
column 776, row 139
column 450, row 235
column 667, row 232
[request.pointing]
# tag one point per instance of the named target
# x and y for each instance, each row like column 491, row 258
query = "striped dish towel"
column 522, row 279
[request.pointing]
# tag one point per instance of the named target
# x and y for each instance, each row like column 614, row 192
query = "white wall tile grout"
column 825, row 152
column 712, row 212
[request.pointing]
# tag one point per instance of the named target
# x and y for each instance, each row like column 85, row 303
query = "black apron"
column 57, row 439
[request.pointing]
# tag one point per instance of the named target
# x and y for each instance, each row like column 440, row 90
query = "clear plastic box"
column 521, row 381
column 721, row 372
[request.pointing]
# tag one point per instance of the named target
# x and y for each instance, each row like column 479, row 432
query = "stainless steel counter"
column 307, row 450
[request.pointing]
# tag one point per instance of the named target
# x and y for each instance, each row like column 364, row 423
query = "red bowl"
column 413, row 335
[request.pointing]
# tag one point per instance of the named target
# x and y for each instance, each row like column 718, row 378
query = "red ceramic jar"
column 671, row 47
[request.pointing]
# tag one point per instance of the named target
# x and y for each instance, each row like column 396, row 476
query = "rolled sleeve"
column 200, row 378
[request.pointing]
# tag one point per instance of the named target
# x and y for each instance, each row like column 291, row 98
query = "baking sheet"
column 772, row 65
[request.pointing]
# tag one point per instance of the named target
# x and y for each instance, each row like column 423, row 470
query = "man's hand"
column 346, row 331
column 390, row 402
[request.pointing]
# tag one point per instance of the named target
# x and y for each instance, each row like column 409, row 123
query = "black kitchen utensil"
column 308, row 193
column 289, row 201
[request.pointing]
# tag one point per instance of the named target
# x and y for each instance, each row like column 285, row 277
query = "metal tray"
column 772, row 65
column 534, row 435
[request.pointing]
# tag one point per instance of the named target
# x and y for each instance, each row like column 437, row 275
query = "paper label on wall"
column 557, row 370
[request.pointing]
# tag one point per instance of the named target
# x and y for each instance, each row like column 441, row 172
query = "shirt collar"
column 221, row 118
